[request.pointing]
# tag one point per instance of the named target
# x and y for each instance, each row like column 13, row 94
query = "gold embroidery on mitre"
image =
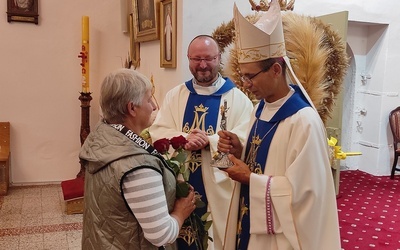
column 258, row 54
column 261, row 40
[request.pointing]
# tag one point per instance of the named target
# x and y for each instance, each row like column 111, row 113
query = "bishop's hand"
column 229, row 142
column 239, row 171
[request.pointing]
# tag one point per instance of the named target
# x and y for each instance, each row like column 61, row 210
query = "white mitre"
column 262, row 40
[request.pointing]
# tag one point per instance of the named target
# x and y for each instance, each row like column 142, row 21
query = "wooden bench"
column 5, row 157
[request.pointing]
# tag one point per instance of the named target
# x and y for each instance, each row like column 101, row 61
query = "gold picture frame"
column 23, row 11
column 145, row 13
column 168, row 34
column 134, row 45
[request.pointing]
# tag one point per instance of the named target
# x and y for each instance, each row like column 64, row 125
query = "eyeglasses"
column 248, row 79
column 206, row 60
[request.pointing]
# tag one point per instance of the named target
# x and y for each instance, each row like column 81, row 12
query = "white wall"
column 372, row 35
column 41, row 75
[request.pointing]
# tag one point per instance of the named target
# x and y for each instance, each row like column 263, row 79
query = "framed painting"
column 134, row 45
column 145, row 13
column 168, row 34
column 22, row 11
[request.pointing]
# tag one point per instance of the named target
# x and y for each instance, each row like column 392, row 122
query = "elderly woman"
column 129, row 189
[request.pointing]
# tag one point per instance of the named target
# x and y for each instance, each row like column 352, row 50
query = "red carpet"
column 368, row 209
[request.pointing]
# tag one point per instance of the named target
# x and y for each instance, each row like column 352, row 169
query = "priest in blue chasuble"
column 192, row 109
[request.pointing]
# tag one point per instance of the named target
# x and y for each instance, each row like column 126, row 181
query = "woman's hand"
column 184, row 207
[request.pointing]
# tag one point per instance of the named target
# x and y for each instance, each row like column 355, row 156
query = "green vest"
column 108, row 222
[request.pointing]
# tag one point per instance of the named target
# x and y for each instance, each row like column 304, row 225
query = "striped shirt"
column 144, row 192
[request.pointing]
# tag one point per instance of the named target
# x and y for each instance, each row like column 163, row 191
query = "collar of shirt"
column 270, row 109
column 214, row 87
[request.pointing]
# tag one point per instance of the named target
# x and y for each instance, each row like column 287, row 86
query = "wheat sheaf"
column 316, row 51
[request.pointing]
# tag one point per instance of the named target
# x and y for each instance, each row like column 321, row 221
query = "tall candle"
column 85, row 28
column 85, row 54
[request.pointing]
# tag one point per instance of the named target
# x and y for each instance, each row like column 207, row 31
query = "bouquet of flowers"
column 195, row 228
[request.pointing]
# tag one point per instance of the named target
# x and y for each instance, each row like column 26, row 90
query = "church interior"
column 68, row 47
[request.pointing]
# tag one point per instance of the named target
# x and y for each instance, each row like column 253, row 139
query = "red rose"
column 178, row 142
column 162, row 145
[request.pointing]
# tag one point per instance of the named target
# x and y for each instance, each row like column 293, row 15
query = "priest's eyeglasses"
column 198, row 60
column 248, row 78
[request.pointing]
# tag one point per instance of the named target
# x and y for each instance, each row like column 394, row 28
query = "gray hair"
column 118, row 89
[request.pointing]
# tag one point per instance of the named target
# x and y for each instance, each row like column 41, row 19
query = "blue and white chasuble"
column 201, row 112
column 256, row 154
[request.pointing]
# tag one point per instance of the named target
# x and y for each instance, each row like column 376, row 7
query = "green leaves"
column 178, row 163
column 182, row 189
column 180, row 157
column 200, row 228
column 197, row 226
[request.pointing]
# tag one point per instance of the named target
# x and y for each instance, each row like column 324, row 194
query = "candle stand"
column 73, row 190
column 85, row 99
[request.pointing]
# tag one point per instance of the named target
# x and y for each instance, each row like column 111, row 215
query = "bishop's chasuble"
column 290, row 201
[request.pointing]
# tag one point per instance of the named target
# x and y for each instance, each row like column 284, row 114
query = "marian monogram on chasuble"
column 201, row 112
column 199, row 118
column 256, row 155
column 255, row 144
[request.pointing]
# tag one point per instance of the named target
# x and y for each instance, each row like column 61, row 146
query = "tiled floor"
column 33, row 217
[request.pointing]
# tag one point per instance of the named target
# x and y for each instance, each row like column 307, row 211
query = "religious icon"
column 22, row 11
column 145, row 14
column 168, row 34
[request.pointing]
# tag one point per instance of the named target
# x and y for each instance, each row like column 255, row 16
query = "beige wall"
column 41, row 75
column 41, row 79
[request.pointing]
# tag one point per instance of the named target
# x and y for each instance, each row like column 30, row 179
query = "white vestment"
column 304, row 211
column 218, row 186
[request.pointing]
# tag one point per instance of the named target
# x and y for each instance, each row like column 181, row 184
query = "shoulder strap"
column 138, row 140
